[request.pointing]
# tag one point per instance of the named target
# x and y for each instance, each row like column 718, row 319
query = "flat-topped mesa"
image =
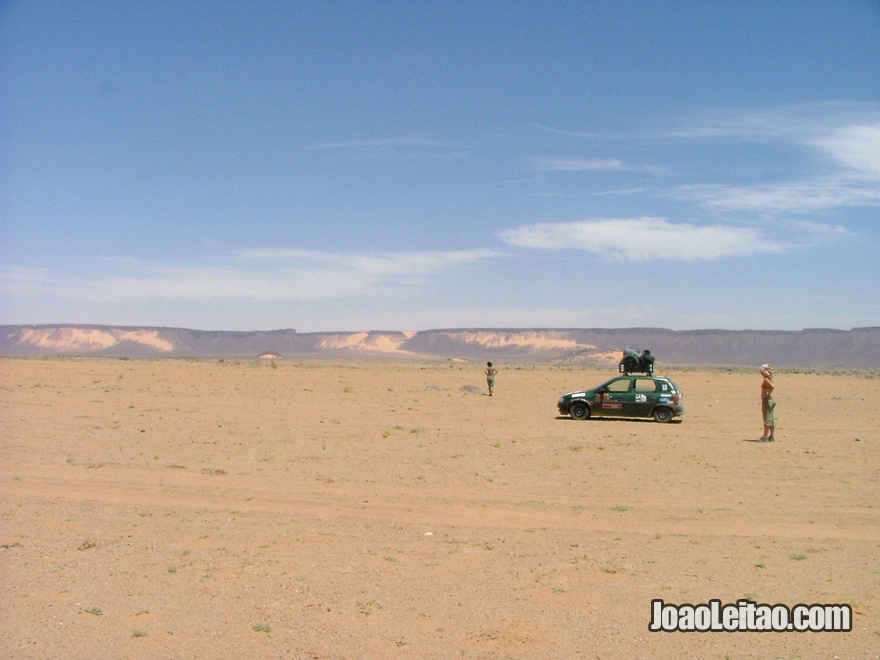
column 856, row 348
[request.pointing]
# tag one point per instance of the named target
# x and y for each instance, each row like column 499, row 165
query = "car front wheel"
column 579, row 410
column 662, row 415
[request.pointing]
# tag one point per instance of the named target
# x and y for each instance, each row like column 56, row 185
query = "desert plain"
column 320, row 508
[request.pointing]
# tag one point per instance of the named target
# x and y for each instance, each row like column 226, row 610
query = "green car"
column 626, row 396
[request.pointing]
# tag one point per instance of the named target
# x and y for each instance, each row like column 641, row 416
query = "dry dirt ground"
column 381, row 509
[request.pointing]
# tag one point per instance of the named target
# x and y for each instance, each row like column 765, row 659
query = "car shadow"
column 611, row 420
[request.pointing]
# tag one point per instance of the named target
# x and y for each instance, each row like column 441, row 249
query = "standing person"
column 767, row 403
column 490, row 376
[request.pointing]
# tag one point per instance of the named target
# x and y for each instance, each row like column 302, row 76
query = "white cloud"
column 857, row 147
column 261, row 275
column 645, row 239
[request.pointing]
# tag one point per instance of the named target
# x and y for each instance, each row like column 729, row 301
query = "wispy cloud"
column 618, row 191
column 376, row 267
column 842, row 140
column 587, row 135
column 804, row 196
column 417, row 142
column 650, row 239
column 576, row 165
column 836, row 166
column 801, row 123
column 257, row 275
column 393, row 148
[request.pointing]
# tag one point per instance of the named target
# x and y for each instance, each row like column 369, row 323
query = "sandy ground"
column 318, row 509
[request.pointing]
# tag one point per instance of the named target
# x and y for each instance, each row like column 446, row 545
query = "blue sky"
column 413, row 165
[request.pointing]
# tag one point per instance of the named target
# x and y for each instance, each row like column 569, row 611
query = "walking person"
column 768, row 405
column 490, row 377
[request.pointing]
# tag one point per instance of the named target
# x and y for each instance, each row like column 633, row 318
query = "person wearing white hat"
column 768, row 405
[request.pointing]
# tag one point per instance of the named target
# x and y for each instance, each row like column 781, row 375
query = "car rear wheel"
column 662, row 415
column 579, row 410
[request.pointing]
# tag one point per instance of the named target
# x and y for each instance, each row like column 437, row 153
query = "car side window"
column 621, row 385
column 645, row 385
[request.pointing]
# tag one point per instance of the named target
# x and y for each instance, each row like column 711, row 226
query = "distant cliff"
column 859, row 347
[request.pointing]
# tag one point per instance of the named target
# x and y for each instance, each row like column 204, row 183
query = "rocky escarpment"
column 859, row 347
